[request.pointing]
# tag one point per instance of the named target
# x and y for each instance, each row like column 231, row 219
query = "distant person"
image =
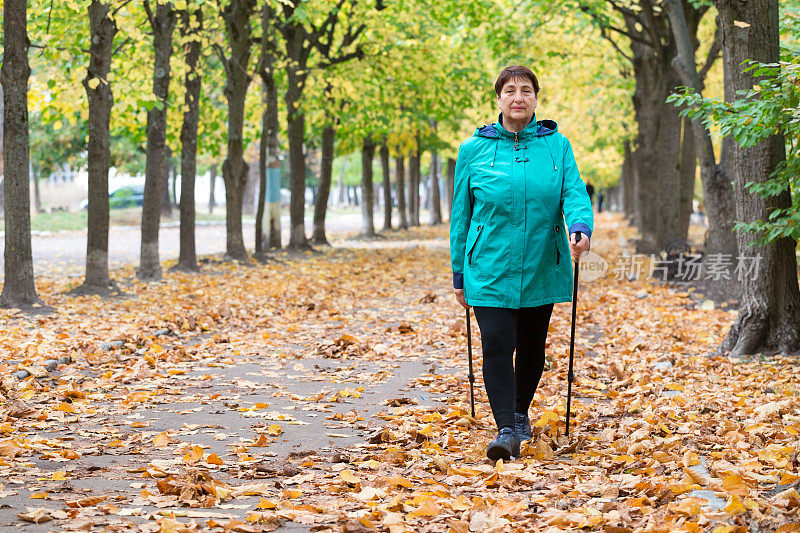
column 515, row 182
column 599, row 201
column 590, row 191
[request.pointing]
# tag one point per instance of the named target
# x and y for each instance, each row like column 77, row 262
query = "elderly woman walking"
column 516, row 182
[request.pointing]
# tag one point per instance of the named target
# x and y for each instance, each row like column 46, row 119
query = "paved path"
column 64, row 253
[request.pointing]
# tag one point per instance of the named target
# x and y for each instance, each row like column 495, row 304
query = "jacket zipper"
column 477, row 238
column 558, row 253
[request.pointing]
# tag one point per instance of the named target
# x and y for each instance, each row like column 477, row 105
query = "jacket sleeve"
column 575, row 202
column 460, row 217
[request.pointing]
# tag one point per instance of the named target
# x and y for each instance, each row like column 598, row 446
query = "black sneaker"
column 504, row 446
column 522, row 425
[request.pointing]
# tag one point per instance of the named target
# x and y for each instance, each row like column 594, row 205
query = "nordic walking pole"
column 570, row 375
column 471, row 375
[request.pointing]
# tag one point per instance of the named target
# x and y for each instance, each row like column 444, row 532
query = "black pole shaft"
column 471, row 374
column 570, row 375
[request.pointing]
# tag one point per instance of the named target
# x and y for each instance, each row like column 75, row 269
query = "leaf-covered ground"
column 328, row 392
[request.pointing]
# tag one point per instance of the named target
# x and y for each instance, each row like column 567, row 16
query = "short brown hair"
column 516, row 71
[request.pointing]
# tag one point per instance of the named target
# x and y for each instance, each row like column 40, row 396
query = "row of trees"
column 661, row 45
column 399, row 78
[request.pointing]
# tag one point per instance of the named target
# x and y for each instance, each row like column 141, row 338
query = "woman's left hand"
column 577, row 249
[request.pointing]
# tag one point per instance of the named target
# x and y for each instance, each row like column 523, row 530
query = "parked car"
column 129, row 196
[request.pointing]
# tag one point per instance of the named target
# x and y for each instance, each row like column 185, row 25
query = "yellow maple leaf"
column 735, row 506
column 193, row 455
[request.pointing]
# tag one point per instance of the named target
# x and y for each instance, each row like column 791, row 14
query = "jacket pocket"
column 556, row 237
column 472, row 248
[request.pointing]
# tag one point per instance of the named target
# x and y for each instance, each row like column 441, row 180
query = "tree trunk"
column 187, row 258
column 769, row 315
column 297, row 171
column 717, row 192
column 262, row 173
column 172, row 176
column 401, row 192
column 2, row 122
column 18, row 285
column 367, row 154
column 250, row 188
column 166, row 201
column 687, row 171
column 451, row 183
column 37, row 195
column 234, row 170
column 414, row 179
column 626, row 182
column 436, row 203
column 326, row 172
column 660, row 176
column 212, row 178
column 296, row 77
column 657, row 157
column 387, row 187
column 162, row 23
column 269, row 163
column 343, row 195
column 101, row 100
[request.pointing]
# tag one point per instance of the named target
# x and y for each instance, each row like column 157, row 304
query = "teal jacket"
column 508, row 244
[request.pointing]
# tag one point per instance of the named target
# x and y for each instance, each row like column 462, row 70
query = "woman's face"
column 517, row 100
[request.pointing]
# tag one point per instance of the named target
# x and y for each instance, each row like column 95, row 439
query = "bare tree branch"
column 604, row 26
column 146, row 5
column 119, row 7
column 626, row 11
column 121, row 46
column 604, row 34
column 355, row 54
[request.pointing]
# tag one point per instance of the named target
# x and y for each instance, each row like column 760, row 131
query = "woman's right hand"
column 460, row 297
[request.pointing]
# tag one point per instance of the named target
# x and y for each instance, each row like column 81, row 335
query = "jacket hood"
column 536, row 128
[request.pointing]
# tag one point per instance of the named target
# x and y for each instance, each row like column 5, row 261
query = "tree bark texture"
column 769, row 315
column 18, row 285
column 367, row 191
column 101, row 100
column 325, row 177
column 401, row 192
column 187, row 257
column 234, row 170
column 162, row 22
column 387, row 187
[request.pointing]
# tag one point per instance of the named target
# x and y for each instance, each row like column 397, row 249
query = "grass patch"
column 58, row 221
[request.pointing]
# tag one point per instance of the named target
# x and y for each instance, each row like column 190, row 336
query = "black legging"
column 510, row 383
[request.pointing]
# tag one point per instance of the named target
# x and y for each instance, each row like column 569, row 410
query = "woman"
column 516, row 181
